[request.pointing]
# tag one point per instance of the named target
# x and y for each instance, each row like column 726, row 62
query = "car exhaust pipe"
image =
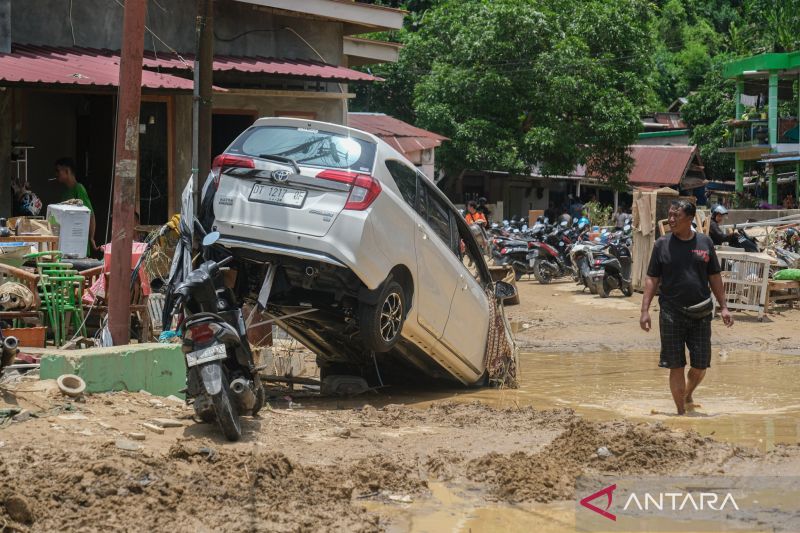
column 9, row 351
column 311, row 272
column 241, row 388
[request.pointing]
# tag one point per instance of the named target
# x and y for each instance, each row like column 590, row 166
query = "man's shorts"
column 678, row 330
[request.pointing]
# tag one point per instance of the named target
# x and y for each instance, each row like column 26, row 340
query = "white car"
column 360, row 236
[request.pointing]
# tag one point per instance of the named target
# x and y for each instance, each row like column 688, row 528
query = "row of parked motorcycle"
column 600, row 260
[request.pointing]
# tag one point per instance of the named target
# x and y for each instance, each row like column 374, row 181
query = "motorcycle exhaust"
column 244, row 394
column 9, row 351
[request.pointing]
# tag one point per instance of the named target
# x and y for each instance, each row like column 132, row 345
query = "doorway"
column 153, row 164
column 226, row 126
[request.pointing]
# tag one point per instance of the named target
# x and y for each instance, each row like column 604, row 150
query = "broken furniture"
column 782, row 291
column 745, row 277
column 28, row 279
column 61, row 293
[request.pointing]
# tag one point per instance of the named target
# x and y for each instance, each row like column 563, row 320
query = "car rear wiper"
column 282, row 159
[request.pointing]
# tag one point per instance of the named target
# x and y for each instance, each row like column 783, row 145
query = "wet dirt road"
column 410, row 460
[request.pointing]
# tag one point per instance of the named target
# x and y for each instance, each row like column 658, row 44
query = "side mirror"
column 504, row 291
column 563, row 223
column 211, row 238
column 627, row 228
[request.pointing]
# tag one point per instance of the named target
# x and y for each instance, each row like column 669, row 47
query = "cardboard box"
column 71, row 225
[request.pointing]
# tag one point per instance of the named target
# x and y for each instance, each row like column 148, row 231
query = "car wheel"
column 382, row 323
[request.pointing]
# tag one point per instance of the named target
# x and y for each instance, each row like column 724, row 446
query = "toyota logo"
column 280, row 175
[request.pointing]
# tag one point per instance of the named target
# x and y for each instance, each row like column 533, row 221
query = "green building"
column 765, row 130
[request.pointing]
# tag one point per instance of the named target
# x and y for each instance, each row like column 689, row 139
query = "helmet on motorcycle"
column 719, row 210
column 583, row 221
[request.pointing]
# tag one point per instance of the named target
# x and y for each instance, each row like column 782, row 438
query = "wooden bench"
column 782, row 291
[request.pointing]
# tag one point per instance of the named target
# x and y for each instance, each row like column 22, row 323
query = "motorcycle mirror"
column 626, row 228
column 563, row 223
column 211, row 238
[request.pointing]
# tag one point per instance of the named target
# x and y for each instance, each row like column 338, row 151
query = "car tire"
column 382, row 323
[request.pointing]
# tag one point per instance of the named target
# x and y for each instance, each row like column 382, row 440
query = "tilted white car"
column 356, row 233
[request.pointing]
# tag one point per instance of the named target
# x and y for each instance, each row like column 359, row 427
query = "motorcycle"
column 221, row 377
column 550, row 259
column 582, row 257
column 612, row 270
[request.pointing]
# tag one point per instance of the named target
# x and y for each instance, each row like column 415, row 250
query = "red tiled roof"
column 660, row 165
column 402, row 136
column 75, row 66
column 262, row 65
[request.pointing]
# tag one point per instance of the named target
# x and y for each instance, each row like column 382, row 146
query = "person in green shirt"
column 65, row 174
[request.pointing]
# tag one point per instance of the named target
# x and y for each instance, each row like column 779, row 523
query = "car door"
column 467, row 326
column 436, row 276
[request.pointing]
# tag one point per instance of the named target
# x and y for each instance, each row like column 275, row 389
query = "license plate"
column 277, row 195
column 205, row 355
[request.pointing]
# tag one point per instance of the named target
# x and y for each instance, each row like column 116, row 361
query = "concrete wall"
column 326, row 110
column 97, row 24
column 738, row 216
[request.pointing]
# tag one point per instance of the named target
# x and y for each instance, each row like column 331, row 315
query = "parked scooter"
column 582, row 256
column 612, row 270
column 550, row 259
column 221, row 376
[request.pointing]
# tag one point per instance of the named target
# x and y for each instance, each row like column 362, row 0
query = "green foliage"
column 518, row 83
column 598, row 214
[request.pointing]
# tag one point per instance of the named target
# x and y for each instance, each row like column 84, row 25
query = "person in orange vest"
column 473, row 216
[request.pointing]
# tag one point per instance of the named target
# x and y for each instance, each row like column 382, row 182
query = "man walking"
column 684, row 264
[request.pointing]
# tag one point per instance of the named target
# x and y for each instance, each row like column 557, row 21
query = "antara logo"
column 660, row 501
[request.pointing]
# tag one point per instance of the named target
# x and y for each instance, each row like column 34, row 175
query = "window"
column 308, row 147
column 406, row 180
column 439, row 218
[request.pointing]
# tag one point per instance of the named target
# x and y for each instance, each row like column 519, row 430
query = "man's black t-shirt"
column 684, row 267
column 716, row 233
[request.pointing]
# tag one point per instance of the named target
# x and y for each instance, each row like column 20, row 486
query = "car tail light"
column 365, row 188
column 227, row 160
column 597, row 262
column 504, row 251
column 201, row 333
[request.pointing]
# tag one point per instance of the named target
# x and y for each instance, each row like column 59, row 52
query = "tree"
column 706, row 112
column 517, row 84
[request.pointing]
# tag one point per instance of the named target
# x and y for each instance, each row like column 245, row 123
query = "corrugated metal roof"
column 75, row 66
column 660, row 165
column 298, row 68
column 402, row 136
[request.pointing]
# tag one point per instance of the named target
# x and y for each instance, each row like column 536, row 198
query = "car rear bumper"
column 273, row 248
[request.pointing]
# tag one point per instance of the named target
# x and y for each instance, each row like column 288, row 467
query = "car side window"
column 406, row 180
column 439, row 218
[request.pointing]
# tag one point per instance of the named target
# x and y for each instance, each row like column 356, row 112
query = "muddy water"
column 746, row 398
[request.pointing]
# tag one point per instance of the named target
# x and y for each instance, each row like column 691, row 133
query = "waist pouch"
column 698, row 311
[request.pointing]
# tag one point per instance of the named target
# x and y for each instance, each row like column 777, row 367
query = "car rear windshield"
column 310, row 147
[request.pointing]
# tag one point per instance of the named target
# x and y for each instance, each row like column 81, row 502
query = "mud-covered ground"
column 363, row 464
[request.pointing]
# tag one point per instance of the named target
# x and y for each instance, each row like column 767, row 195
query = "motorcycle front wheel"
column 541, row 273
column 627, row 290
column 603, row 289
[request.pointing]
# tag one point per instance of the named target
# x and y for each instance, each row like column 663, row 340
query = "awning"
column 789, row 159
column 402, row 136
column 290, row 68
column 75, row 66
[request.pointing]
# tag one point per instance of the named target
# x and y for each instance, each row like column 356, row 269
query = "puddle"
column 747, row 398
column 451, row 511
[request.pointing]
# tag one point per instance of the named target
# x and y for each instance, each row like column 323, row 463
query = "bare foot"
column 690, row 405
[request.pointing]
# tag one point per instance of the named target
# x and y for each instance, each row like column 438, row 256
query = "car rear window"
column 310, row 147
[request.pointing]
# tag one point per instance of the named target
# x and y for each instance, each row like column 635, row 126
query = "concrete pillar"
column 6, row 133
column 739, row 106
column 772, row 115
column 773, row 186
column 739, row 174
